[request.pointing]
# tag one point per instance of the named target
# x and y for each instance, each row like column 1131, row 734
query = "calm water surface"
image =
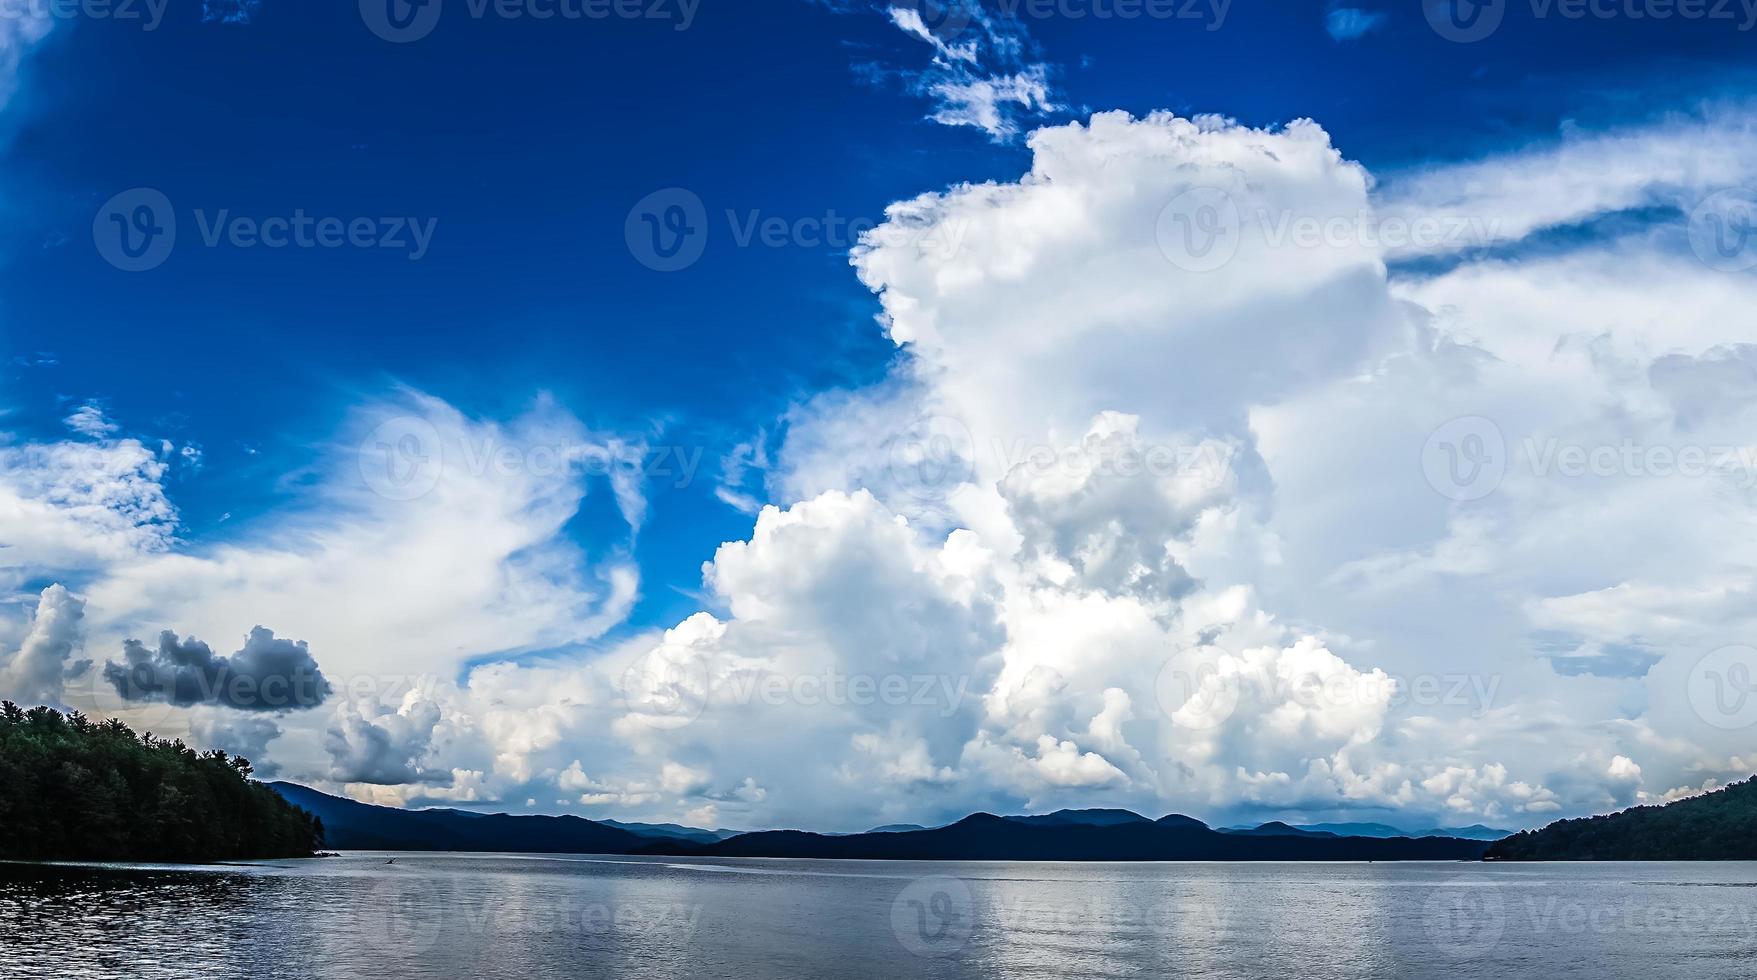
column 503, row 915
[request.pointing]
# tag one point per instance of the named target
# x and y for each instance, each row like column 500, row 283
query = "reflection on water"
column 494, row 916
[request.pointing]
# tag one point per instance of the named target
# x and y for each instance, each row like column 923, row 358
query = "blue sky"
column 521, row 146
column 527, row 142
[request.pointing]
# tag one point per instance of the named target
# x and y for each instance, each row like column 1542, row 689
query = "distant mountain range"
column 1472, row 832
column 1076, row 835
column 1718, row 826
column 1066, row 835
column 1271, row 829
column 670, row 830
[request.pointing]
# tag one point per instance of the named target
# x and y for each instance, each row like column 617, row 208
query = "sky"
column 833, row 413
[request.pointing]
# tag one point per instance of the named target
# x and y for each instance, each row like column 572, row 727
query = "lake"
column 525, row 916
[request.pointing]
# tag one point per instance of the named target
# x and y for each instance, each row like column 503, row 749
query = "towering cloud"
column 369, row 744
column 37, row 671
column 1214, row 474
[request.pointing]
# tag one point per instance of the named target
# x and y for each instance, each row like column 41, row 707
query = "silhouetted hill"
column 1719, row 826
column 670, row 830
column 986, row 837
column 1475, row 831
column 363, row 827
column 1087, row 818
column 896, row 828
column 1276, row 828
column 1359, row 829
column 1066, row 835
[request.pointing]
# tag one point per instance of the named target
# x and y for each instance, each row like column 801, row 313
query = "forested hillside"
column 74, row 789
column 1718, row 826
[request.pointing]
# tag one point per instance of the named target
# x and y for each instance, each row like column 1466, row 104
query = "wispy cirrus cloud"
column 20, row 32
column 982, row 72
column 89, row 420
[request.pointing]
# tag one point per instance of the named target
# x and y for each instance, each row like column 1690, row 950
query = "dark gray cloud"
column 267, row 674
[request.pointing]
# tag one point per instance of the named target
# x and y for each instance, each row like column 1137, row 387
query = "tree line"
column 77, row 790
column 1718, row 826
